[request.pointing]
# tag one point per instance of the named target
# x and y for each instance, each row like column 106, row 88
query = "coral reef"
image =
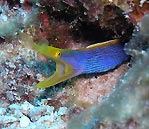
column 128, row 102
column 127, row 106
column 115, row 99
column 27, row 116
column 13, row 20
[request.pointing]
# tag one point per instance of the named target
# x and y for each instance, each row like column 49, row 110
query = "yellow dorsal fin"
column 102, row 44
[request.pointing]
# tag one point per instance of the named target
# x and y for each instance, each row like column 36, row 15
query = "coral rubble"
column 27, row 116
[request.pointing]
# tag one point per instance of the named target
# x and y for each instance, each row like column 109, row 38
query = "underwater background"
column 115, row 99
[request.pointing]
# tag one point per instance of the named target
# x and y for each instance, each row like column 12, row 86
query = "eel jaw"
column 63, row 72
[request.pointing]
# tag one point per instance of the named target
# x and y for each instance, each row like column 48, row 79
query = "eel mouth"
column 63, row 72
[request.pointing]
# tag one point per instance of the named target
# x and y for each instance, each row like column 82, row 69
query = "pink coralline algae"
column 92, row 90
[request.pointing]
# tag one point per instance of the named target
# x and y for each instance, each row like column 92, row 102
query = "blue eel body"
column 96, row 60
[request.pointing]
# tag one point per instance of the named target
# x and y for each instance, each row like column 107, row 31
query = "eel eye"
column 57, row 54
